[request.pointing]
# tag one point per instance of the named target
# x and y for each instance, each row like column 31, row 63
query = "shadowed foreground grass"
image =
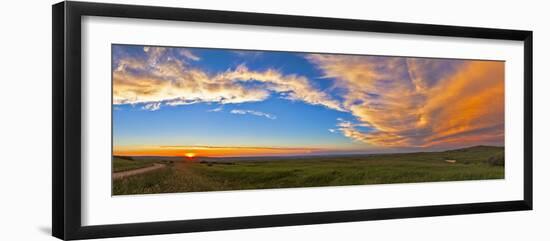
column 471, row 164
column 121, row 164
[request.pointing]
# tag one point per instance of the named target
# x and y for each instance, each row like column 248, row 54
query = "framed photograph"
column 169, row 120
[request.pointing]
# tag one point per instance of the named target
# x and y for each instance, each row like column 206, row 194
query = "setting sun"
column 190, row 154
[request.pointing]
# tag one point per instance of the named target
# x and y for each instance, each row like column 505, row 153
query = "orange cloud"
column 418, row 102
column 475, row 109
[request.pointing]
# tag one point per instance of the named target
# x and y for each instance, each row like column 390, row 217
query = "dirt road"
column 119, row 175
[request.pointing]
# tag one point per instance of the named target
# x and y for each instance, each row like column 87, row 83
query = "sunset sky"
column 215, row 102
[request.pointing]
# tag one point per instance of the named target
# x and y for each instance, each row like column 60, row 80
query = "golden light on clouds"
column 164, row 78
column 415, row 102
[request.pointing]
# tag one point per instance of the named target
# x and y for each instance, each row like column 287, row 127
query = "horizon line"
column 315, row 154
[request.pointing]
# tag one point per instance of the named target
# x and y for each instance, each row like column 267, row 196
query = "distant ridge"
column 477, row 148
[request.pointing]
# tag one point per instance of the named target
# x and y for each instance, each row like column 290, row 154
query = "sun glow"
column 192, row 152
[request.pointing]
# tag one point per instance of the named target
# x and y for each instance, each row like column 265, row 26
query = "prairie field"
column 196, row 175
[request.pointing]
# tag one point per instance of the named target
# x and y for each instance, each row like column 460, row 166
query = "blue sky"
column 295, row 103
column 296, row 123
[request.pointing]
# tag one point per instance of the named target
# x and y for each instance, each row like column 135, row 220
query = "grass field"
column 121, row 164
column 195, row 176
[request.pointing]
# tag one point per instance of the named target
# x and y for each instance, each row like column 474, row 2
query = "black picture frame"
column 66, row 127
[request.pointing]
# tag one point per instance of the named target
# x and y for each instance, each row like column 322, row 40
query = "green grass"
column 471, row 164
column 121, row 164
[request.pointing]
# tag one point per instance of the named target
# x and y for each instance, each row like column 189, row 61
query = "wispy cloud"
column 152, row 106
column 217, row 109
column 188, row 54
column 247, row 53
column 253, row 112
column 418, row 102
column 181, row 102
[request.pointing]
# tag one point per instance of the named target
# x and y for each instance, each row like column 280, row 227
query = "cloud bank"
column 418, row 102
column 164, row 77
